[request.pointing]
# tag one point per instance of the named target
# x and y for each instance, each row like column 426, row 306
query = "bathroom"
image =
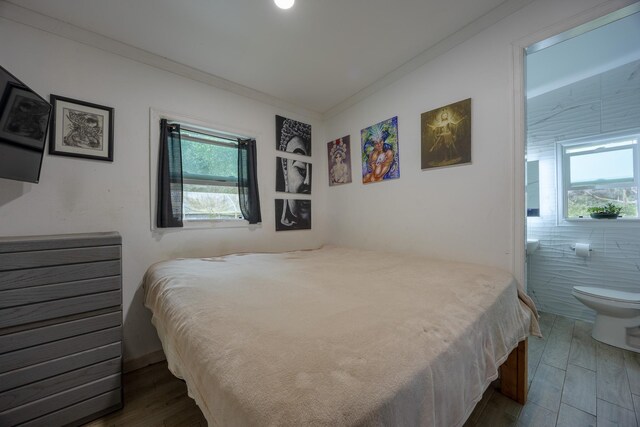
column 583, row 131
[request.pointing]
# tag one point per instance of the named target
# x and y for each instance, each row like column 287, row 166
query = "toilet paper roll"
column 582, row 249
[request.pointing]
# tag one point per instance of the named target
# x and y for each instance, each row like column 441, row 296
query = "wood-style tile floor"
column 574, row 381
column 154, row 397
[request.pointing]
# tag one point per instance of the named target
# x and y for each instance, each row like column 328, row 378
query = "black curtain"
column 248, row 181
column 169, row 210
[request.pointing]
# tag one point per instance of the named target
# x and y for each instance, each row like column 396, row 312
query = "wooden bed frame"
column 514, row 375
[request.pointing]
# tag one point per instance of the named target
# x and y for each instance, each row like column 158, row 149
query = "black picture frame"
column 30, row 124
column 293, row 136
column 293, row 176
column 81, row 129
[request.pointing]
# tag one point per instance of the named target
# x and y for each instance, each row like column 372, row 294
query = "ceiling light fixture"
column 284, row 4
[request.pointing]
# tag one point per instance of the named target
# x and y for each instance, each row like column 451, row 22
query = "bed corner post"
column 513, row 374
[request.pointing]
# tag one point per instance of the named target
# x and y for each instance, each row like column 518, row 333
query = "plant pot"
column 602, row 215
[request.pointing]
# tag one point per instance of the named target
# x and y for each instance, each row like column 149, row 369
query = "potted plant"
column 608, row 211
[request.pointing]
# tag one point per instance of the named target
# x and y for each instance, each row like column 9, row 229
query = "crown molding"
column 28, row 17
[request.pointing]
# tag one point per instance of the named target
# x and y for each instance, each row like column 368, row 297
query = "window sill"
column 600, row 222
column 217, row 223
column 208, row 224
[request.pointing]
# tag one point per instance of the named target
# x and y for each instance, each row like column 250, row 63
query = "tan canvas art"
column 446, row 135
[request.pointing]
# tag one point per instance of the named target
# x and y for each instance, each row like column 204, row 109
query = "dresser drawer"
column 42, row 353
column 58, row 331
column 37, row 294
column 40, row 389
column 48, row 404
column 15, row 279
column 92, row 407
column 15, row 316
column 35, row 259
column 40, row 371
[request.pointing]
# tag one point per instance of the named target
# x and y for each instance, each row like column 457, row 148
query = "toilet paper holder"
column 573, row 248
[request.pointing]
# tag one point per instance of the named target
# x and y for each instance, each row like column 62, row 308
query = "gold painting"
column 446, row 135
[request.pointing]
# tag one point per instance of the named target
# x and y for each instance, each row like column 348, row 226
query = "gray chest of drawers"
column 60, row 328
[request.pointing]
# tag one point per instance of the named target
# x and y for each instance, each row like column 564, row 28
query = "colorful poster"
column 380, row 157
column 339, row 155
column 446, row 135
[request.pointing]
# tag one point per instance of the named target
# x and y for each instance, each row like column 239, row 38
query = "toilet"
column 618, row 315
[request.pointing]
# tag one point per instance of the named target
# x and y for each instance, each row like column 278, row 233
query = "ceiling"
column 588, row 54
column 315, row 55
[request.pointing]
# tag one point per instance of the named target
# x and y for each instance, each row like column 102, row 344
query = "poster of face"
column 293, row 214
column 380, row 158
column 339, row 155
column 446, row 135
column 293, row 176
column 293, row 136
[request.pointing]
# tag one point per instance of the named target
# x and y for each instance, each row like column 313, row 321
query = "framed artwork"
column 380, row 157
column 292, row 136
column 81, row 129
column 446, row 135
column 293, row 214
column 25, row 117
column 339, row 155
column 293, row 176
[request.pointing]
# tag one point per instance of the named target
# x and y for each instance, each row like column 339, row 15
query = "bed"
column 336, row 336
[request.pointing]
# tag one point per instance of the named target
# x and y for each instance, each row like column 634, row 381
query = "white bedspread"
column 335, row 336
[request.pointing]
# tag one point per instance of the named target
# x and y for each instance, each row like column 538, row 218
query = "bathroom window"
column 598, row 172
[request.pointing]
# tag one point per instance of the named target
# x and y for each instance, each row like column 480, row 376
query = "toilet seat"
column 609, row 294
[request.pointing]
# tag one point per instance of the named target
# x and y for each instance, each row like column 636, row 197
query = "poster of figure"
column 293, row 214
column 446, row 135
column 339, row 155
column 380, row 157
column 293, row 176
column 293, row 136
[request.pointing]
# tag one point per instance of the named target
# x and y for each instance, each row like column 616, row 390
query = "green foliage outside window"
column 579, row 201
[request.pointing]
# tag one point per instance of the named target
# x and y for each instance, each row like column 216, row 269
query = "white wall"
column 463, row 212
column 77, row 195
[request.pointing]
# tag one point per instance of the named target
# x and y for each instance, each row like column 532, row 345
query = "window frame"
column 564, row 170
column 194, row 123
column 207, row 180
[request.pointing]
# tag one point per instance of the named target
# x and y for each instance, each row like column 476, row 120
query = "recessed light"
column 284, row 4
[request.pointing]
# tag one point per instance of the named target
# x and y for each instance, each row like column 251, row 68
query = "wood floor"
column 575, row 381
column 154, row 397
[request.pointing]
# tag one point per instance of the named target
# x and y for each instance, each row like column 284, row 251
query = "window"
column 597, row 172
column 210, row 175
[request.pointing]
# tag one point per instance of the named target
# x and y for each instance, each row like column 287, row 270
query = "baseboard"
column 142, row 361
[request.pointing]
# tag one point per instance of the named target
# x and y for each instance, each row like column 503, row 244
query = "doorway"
column 581, row 115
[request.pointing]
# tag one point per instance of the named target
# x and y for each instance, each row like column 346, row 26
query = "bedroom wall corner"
column 79, row 195
column 461, row 212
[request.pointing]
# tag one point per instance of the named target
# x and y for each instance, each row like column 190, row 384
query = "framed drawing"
column 25, row 117
column 380, row 158
column 446, row 135
column 81, row 129
column 293, row 176
column 339, row 155
column 292, row 136
column 293, row 214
